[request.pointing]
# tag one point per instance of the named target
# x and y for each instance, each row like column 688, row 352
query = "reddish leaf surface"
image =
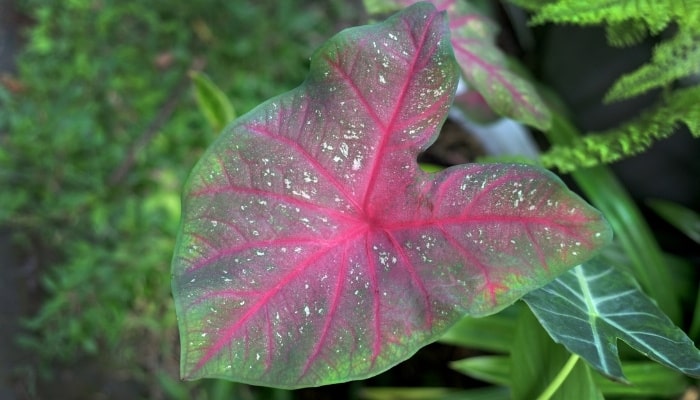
column 484, row 65
column 313, row 249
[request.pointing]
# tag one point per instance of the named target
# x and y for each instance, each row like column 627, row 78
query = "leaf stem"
column 560, row 378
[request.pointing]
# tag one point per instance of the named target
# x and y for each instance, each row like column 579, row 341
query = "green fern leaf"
column 672, row 59
column 531, row 5
column 656, row 14
column 626, row 33
column 631, row 138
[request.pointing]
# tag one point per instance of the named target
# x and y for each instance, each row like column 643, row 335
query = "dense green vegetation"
column 96, row 143
column 99, row 129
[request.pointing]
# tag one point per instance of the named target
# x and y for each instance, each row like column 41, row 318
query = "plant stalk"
column 559, row 379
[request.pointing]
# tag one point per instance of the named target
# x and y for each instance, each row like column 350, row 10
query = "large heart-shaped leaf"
column 588, row 308
column 484, row 66
column 314, row 250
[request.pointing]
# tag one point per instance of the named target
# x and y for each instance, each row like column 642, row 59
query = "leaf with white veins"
column 591, row 306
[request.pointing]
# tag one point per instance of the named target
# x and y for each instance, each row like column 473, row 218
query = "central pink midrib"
column 390, row 127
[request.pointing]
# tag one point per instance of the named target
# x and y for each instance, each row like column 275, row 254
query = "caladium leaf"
column 314, row 250
column 591, row 306
column 484, row 66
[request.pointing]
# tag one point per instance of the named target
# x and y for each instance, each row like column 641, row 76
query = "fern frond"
column 672, row 59
column 631, row 138
column 531, row 5
column 656, row 14
column 626, row 33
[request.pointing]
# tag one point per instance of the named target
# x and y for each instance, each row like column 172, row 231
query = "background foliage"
column 96, row 142
column 99, row 128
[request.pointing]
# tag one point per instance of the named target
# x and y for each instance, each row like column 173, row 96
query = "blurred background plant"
column 98, row 130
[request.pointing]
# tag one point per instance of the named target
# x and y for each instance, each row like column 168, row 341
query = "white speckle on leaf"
column 382, row 80
column 301, row 193
column 308, row 178
column 307, row 311
column 356, row 163
column 344, row 149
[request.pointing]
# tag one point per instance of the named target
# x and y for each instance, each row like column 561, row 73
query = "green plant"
column 95, row 145
column 267, row 303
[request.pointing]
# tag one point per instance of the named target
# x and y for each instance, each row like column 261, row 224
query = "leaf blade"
column 484, row 66
column 598, row 305
column 212, row 101
column 314, row 250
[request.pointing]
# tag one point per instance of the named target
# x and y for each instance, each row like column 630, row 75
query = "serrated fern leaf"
column 656, row 14
column 631, row 138
column 672, row 59
column 626, row 33
column 531, row 4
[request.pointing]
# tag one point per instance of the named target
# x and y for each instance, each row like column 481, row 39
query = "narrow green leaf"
column 399, row 393
column 694, row 330
column 537, row 361
column 492, row 369
column 685, row 219
column 589, row 307
column 646, row 379
column 212, row 102
column 492, row 333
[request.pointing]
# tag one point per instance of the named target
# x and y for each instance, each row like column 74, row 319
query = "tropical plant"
column 314, row 250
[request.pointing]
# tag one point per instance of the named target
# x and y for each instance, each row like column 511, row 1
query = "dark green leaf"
column 646, row 379
column 686, row 220
column 492, row 369
column 397, row 393
column 589, row 307
column 537, row 361
column 493, row 333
